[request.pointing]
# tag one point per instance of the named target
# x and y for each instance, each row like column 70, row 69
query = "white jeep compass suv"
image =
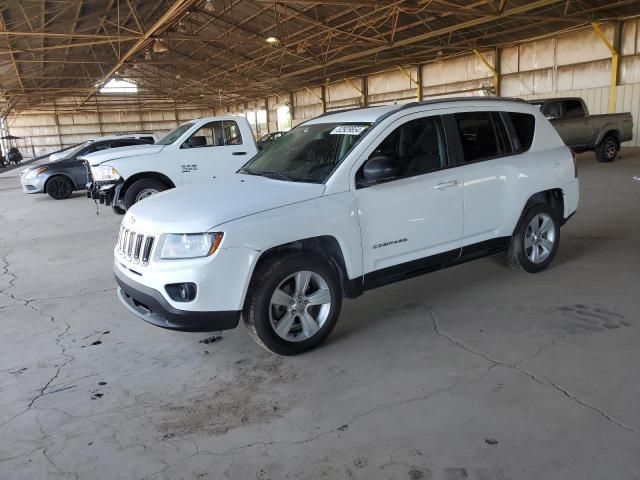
column 343, row 203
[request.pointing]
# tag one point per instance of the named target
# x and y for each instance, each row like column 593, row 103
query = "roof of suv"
column 373, row 114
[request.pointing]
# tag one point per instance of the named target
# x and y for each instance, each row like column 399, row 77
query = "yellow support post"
column 414, row 81
column 494, row 72
column 614, row 66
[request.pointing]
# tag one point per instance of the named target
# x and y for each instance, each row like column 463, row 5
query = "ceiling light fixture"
column 159, row 46
column 148, row 55
column 271, row 40
column 182, row 28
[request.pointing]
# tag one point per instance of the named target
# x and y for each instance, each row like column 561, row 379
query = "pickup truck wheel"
column 59, row 187
column 608, row 149
column 141, row 189
column 293, row 303
column 535, row 241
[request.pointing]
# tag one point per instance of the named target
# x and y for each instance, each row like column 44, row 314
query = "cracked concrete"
column 473, row 372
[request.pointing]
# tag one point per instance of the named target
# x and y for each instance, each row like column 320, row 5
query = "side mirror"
column 379, row 169
column 195, row 142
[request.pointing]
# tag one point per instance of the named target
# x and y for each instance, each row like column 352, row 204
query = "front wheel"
column 293, row 303
column 535, row 241
column 141, row 189
column 59, row 188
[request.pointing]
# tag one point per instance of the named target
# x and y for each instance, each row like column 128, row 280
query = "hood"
column 40, row 163
column 121, row 152
column 57, row 156
column 201, row 206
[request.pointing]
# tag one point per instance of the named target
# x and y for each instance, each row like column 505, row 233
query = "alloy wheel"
column 539, row 238
column 610, row 150
column 300, row 306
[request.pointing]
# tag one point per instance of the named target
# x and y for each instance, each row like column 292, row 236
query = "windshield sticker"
column 348, row 130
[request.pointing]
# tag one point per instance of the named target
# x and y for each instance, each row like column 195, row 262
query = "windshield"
column 308, row 153
column 174, row 134
column 72, row 151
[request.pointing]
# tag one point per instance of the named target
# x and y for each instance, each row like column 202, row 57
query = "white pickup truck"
column 343, row 203
column 200, row 149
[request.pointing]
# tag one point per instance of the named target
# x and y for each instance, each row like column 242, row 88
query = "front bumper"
column 149, row 305
column 107, row 193
column 33, row 185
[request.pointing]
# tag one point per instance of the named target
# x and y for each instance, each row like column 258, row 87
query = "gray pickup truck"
column 602, row 134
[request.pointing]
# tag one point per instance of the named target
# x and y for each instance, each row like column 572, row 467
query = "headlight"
column 104, row 173
column 35, row 172
column 190, row 245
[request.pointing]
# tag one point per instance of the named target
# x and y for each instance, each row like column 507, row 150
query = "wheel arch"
column 326, row 247
column 139, row 176
column 553, row 197
column 606, row 132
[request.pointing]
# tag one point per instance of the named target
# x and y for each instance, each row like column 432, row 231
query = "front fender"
column 332, row 215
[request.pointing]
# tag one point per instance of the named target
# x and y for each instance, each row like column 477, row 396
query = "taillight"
column 575, row 164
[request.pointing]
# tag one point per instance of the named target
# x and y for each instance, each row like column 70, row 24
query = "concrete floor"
column 474, row 372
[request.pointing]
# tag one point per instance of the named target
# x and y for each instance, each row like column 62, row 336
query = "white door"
column 215, row 149
column 419, row 213
column 486, row 156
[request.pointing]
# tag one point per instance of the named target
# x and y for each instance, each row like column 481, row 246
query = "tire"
column 607, row 150
column 141, row 189
column 285, row 273
column 535, row 241
column 59, row 187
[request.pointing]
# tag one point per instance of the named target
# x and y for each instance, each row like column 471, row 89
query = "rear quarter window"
column 524, row 125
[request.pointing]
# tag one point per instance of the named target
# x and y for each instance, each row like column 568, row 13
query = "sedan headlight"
column 35, row 172
column 104, row 173
column 189, row 245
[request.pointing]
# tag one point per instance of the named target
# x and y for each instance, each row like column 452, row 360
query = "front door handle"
column 443, row 185
column 239, row 153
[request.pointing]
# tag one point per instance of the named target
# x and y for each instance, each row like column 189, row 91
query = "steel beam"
column 613, row 82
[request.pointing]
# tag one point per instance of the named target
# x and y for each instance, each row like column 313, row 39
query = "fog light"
column 181, row 292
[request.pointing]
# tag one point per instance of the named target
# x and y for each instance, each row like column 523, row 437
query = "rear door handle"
column 443, row 185
column 239, row 153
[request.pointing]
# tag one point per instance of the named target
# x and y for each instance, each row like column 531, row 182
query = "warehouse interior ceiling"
column 221, row 52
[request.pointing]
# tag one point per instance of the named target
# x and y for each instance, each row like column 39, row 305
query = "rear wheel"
column 608, row 149
column 141, row 189
column 293, row 303
column 535, row 241
column 59, row 187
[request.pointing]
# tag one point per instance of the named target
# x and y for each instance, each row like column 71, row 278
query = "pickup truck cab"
column 343, row 203
column 581, row 131
column 200, row 149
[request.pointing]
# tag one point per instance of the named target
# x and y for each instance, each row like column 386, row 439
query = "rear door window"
column 573, row 108
column 553, row 110
column 481, row 136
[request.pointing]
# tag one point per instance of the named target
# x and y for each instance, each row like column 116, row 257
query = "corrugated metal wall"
column 44, row 132
column 572, row 64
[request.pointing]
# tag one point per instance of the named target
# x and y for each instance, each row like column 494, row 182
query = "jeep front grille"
column 134, row 246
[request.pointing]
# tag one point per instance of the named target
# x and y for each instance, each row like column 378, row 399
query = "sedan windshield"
column 308, row 153
column 174, row 134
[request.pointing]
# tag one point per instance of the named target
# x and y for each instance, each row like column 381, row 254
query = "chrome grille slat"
column 148, row 245
column 135, row 246
column 132, row 237
column 136, row 249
